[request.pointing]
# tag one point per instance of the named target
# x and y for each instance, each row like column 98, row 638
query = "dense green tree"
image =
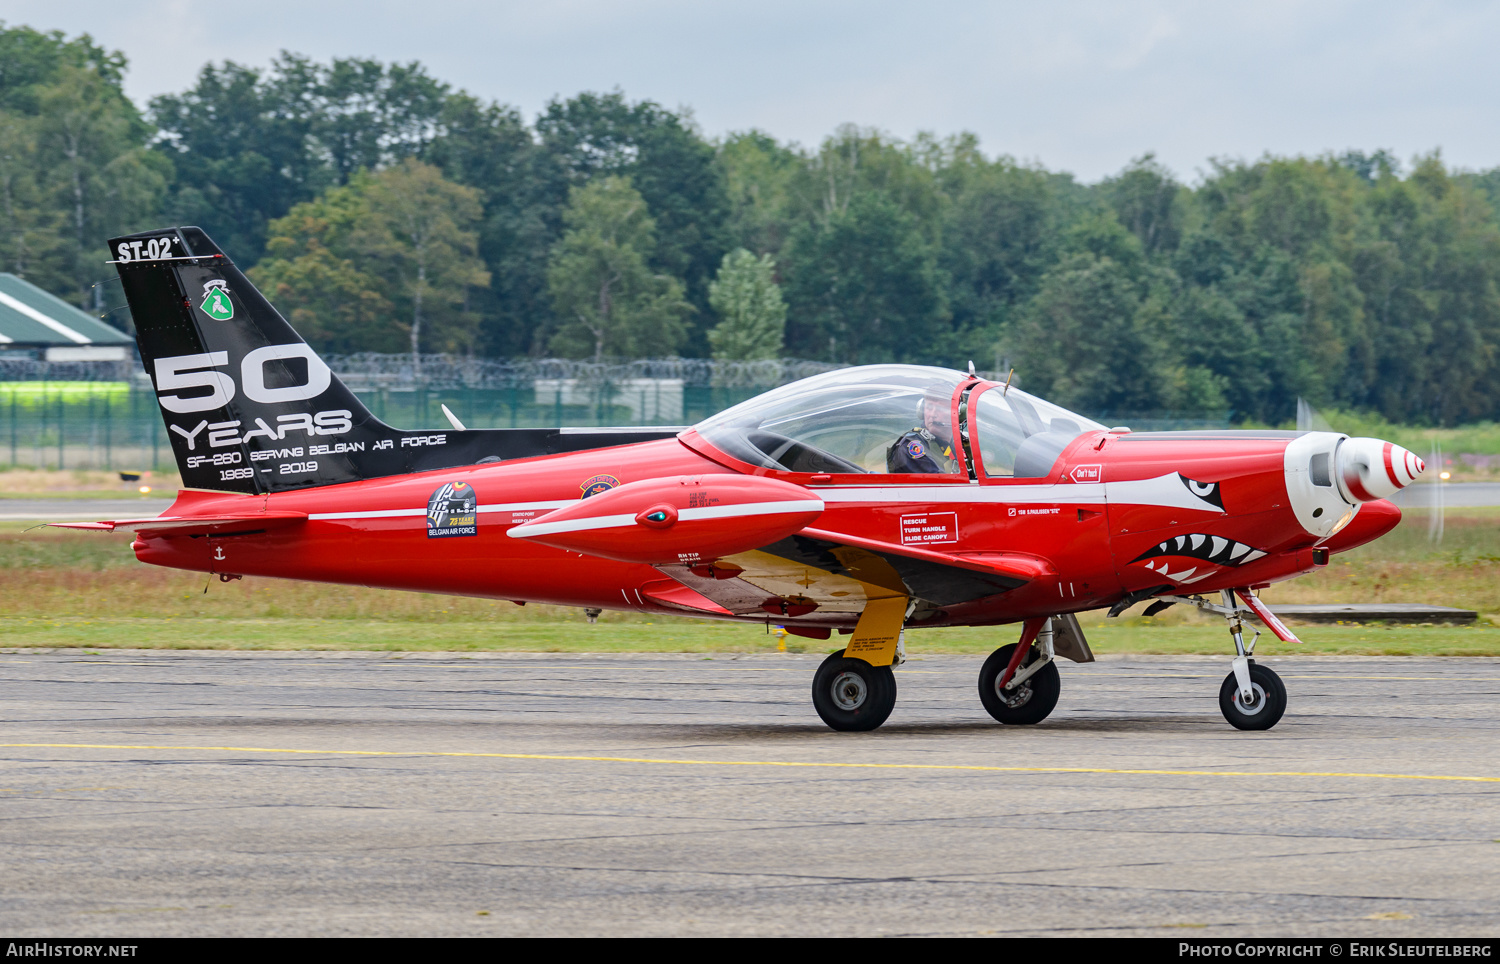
column 74, row 167
column 1352, row 280
column 668, row 163
column 758, row 174
column 420, row 228
column 748, row 300
column 490, row 148
column 31, row 60
column 249, row 144
column 1000, row 234
column 1148, row 201
column 1094, row 336
column 333, row 304
column 606, row 297
column 92, row 143
column 390, row 257
column 864, row 286
column 240, row 139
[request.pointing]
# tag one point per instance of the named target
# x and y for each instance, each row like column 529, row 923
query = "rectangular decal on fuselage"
column 929, row 528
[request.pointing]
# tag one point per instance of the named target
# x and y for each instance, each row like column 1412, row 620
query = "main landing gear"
column 850, row 694
column 1252, row 696
column 1019, row 683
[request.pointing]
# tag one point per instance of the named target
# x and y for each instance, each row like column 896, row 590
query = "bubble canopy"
column 847, row 421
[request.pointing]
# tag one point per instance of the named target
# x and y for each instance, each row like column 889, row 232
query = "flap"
column 672, row 593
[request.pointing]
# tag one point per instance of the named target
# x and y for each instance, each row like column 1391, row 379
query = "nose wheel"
column 1262, row 709
column 1252, row 697
column 851, row 695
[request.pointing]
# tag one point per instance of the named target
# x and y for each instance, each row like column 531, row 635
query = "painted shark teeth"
column 1208, row 548
column 1184, row 577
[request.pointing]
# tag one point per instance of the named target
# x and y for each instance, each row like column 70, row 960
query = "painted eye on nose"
column 1207, row 491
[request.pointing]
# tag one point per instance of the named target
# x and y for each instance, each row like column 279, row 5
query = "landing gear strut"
column 1019, row 684
column 1252, row 697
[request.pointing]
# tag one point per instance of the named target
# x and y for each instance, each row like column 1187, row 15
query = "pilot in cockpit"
column 929, row 446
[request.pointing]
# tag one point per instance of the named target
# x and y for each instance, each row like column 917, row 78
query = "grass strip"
column 692, row 636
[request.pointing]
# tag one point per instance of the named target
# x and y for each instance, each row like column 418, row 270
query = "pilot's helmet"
column 941, row 405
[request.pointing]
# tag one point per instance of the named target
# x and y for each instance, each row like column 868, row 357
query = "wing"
column 827, row 576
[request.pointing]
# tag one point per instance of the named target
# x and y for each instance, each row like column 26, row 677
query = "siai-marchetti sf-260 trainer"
column 860, row 502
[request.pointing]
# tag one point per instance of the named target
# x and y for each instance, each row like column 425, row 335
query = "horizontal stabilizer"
column 190, row 525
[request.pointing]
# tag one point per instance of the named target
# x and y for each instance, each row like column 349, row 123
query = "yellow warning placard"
column 878, row 630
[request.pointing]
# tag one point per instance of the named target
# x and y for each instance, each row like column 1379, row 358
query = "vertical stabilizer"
column 250, row 407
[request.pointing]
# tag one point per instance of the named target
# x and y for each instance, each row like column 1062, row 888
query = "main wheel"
column 1261, row 713
column 850, row 694
column 1031, row 702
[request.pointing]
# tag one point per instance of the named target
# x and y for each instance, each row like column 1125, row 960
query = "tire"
column 1031, row 702
column 1270, row 700
column 851, row 695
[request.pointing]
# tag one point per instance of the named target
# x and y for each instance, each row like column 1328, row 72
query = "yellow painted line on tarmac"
column 760, row 763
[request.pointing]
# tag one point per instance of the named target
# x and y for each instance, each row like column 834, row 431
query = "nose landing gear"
column 1252, row 697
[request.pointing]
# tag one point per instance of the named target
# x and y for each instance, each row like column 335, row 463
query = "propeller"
column 1367, row 468
column 1435, row 495
column 1372, row 468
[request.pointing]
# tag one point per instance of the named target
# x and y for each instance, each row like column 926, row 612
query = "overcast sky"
column 1082, row 87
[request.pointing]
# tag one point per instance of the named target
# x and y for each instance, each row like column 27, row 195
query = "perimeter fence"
column 91, row 415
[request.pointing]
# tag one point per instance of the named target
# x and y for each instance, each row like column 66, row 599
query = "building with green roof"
column 45, row 327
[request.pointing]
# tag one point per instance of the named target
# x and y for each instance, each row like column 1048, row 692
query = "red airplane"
column 865, row 501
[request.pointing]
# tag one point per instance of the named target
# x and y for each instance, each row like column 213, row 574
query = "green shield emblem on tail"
column 216, row 303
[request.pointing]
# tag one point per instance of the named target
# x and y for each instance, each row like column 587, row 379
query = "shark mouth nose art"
column 1212, row 549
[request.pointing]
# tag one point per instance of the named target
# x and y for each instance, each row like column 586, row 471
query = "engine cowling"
column 687, row 519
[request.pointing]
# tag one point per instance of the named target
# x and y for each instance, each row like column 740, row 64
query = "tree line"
column 383, row 210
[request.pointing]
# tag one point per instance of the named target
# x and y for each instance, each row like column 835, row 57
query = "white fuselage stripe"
column 400, row 513
column 1167, row 491
column 753, row 508
column 573, row 525
column 684, row 515
column 1003, row 494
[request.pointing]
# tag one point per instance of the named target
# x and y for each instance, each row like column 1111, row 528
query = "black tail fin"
column 250, row 407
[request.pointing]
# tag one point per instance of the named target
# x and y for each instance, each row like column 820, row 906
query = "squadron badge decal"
column 216, row 303
column 452, row 511
column 599, row 483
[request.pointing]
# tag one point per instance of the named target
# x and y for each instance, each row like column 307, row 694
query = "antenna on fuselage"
column 1007, row 382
